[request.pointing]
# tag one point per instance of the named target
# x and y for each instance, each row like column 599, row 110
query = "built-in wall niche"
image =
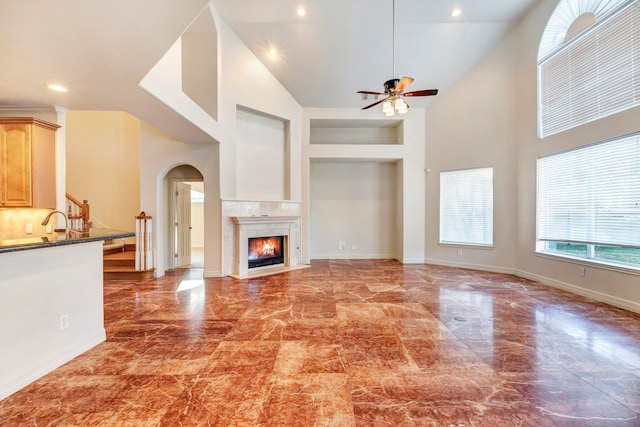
column 359, row 132
column 262, row 156
column 355, row 209
column 200, row 63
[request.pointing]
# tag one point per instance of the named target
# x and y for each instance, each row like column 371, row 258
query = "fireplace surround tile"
column 261, row 213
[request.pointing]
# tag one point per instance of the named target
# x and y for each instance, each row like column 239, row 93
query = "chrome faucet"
column 46, row 219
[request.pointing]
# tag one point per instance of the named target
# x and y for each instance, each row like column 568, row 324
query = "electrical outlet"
column 29, row 229
column 64, row 321
column 459, row 252
column 581, row 271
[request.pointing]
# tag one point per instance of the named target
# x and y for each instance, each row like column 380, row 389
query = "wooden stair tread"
column 119, row 273
column 122, row 268
column 121, row 255
column 118, row 263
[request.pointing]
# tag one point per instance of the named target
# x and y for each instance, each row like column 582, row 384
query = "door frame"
column 172, row 216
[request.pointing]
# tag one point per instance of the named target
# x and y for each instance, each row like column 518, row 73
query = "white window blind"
column 466, row 206
column 591, row 195
column 594, row 75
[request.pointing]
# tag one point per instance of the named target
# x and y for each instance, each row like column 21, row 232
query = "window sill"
column 595, row 264
column 465, row 245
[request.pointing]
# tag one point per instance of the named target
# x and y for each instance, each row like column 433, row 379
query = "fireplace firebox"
column 265, row 251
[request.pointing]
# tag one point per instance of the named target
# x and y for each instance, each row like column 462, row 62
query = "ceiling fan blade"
column 370, row 93
column 376, row 103
column 403, row 84
column 426, row 92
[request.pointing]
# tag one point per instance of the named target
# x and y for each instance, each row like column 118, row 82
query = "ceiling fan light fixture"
column 400, row 105
column 387, row 107
column 395, row 88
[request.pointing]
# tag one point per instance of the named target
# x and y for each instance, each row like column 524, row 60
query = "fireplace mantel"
column 264, row 219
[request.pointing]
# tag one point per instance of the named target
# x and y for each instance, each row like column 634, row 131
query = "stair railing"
column 78, row 214
column 144, row 244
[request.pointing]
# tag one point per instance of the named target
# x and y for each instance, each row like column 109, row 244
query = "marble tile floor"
column 346, row 343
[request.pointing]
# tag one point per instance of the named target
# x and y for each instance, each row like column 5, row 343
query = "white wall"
column 488, row 118
column 160, row 153
column 408, row 157
column 37, row 287
column 165, row 79
column 216, row 162
column 261, row 148
column 355, row 203
column 249, row 84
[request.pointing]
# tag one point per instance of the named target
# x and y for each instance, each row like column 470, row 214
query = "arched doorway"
column 184, row 189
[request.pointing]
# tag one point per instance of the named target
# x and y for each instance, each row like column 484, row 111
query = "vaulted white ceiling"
column 103, row 49
column 342, row 46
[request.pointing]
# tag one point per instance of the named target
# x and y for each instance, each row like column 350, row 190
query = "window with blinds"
column 594, row 75
column 589, row 199
column 466, row 207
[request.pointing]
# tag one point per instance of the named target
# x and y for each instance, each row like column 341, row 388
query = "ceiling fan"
column 395, row 88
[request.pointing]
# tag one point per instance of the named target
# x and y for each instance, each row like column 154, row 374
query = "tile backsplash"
column 13, row 222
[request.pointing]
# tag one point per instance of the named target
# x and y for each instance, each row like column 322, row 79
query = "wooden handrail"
column 83, row 213
column 73, row 199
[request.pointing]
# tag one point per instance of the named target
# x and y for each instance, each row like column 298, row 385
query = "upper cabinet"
column 27, row 163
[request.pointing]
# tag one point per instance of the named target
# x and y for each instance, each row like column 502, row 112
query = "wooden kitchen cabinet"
column 27, row 163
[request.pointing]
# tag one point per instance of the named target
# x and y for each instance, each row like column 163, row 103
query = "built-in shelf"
column 356, row 132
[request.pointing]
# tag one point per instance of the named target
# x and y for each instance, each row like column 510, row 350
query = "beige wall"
column 355, row 203
column 489, row 118
column 103, row 165
column 473, row 124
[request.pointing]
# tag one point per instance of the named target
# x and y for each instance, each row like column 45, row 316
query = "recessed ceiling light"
column 57, row 88
column 301, row 11
column 456, row 11
column 273, row 51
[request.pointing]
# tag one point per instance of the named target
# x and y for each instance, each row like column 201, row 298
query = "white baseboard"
column 490, row 268
column 354, row 256
column 29, row 375
column 595, row 295
column 410, row 261
column 213, row 273
column 598, row 296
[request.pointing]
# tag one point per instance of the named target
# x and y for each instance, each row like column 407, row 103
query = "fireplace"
column 248, row 228
column 265, row 251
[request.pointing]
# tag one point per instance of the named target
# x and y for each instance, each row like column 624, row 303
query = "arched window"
column 588, row 63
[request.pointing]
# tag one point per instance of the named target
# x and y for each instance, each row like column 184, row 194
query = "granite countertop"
column 56, row 239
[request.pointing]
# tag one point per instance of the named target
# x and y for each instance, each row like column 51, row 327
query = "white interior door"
column 182, row 205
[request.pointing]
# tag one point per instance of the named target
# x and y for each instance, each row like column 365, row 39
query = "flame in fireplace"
column 265, row 247
column 268, row 248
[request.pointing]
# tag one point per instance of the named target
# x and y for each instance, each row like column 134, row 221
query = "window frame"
column 565, row 73
column 604, row 219
column 489, row 222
